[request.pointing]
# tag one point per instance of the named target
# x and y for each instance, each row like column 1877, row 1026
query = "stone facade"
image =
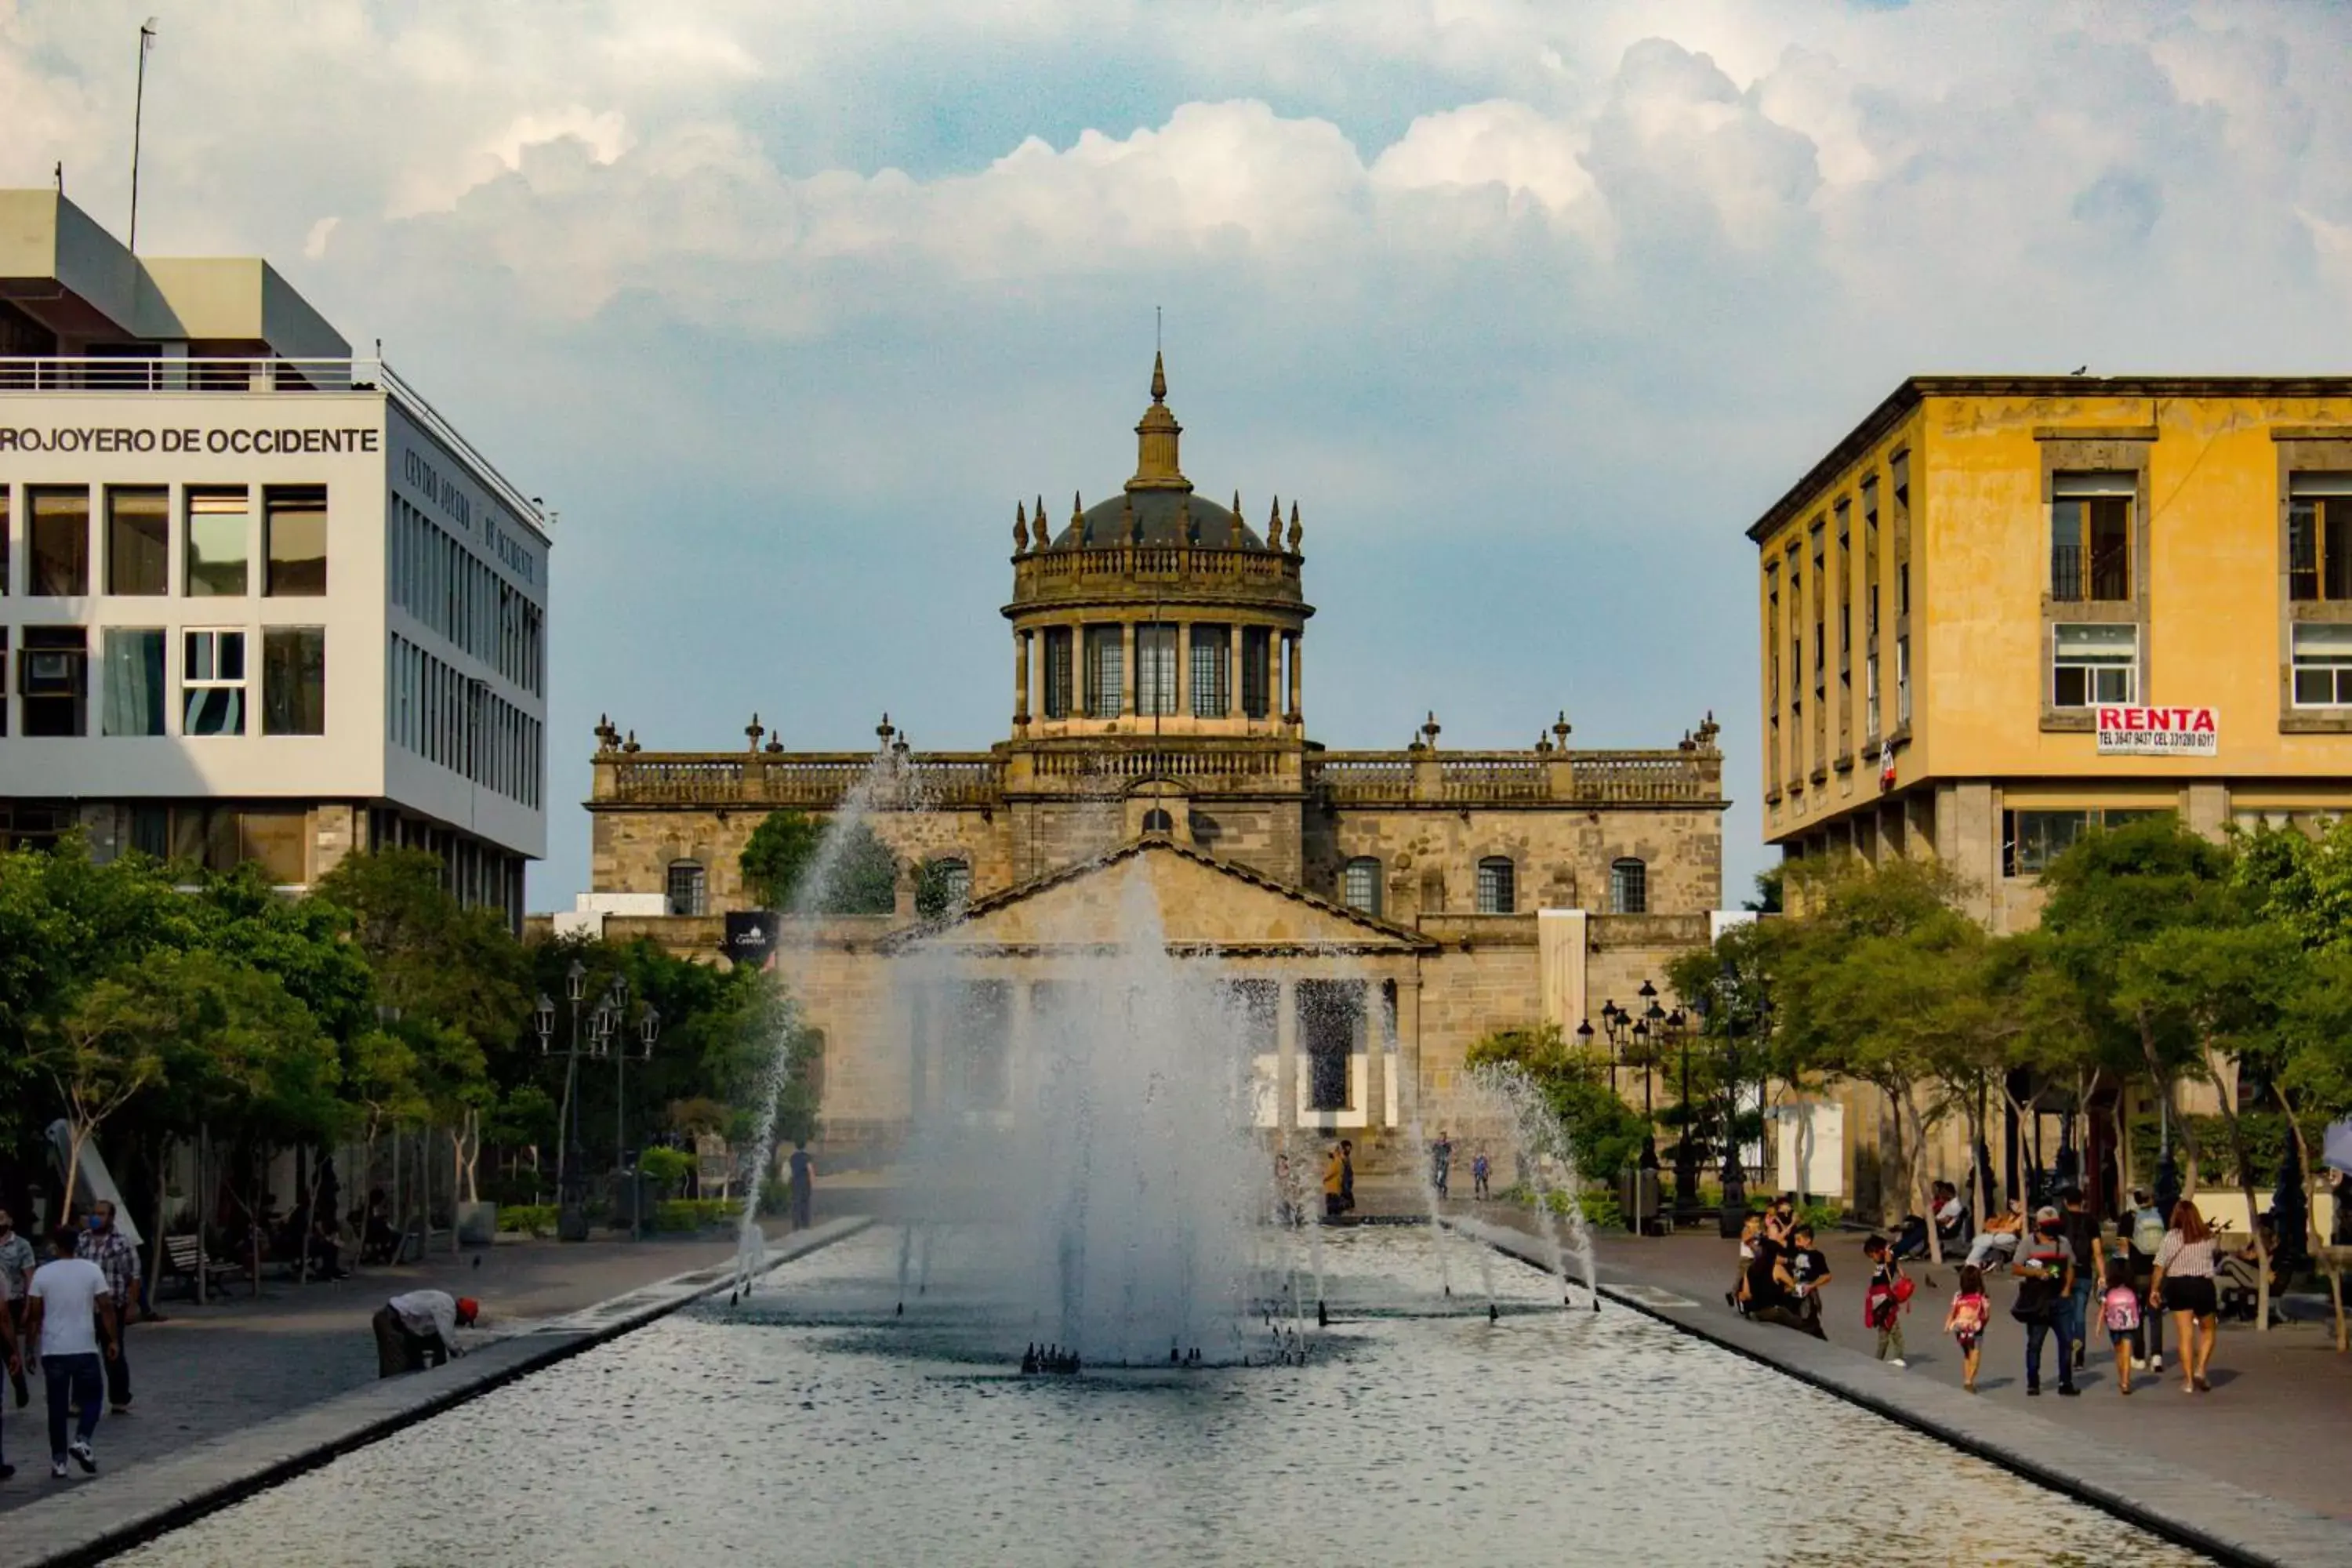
column 1159, row 731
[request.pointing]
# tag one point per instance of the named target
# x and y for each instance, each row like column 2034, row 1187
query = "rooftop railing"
column 112, row 374
column 815, row 780
column 1050, row 573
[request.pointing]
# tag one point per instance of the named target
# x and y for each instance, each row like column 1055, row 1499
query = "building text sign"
column 2159, row 732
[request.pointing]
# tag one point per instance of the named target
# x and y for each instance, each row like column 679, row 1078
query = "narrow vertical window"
column 138, row 540
column 135, row 681
column 1155, row 669
column 1628, row 886
column 1498, row 886
column 53, row 678
column 1060, row 695
column 60, row 544
column 1901, row 680
column 688, row 885
column 2320, row 537
column 1257, row 674
column 1212, row 671
column 294, row 528
column 1105, row 671
column 1360, row 884
column 294, row 680
column 218, row 520
column 2090, row 537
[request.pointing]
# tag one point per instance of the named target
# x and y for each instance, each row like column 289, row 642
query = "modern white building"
column 259, row 600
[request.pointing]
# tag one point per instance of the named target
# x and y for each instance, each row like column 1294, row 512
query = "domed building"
column 1380, row 909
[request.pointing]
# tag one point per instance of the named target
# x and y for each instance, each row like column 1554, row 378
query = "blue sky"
column 1533, row 307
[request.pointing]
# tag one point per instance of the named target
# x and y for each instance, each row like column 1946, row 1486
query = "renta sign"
column 2159, row 732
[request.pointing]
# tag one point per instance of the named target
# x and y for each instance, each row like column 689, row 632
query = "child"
column 2120, row 1311
column 1479, row 1169
column 1882, row 1303
column 1751, row 1230
column 1965, row 1322
column 1809, row 1270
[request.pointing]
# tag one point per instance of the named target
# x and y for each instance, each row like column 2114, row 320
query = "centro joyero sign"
column 2159, row 732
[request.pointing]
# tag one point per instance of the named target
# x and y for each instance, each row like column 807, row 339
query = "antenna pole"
column 138, row 114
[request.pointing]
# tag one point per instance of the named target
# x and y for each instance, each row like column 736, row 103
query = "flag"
column 1886, row 766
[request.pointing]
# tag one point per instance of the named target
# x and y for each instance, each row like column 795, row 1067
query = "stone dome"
column 1163, row 516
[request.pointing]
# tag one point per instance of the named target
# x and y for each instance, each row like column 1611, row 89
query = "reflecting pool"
column 818, row 1424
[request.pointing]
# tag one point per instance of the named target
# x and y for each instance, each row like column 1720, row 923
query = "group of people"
column 2070, row 1282
column 1441, row 1167
column 66, row 1318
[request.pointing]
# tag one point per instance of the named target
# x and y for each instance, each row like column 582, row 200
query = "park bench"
column 185, row 1260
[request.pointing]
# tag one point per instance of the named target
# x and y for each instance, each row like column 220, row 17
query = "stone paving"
column 2278, row 1421
column 237, row 1361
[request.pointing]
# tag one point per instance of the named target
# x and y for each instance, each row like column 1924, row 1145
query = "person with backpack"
column 1883, row 1302
column 2142, row 1231
column 2045, row 1271
column 2119, row 1311
column 1809, row 1270
column 1971, row 1315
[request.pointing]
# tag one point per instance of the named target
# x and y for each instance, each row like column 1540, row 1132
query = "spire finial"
column 1159, row 378
column 1021, row 528
column 1156, row 467
column 1295, row 531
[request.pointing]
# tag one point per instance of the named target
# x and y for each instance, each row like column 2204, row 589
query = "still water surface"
column 818, row 1426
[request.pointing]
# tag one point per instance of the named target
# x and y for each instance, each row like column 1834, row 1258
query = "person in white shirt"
column 419, row 1330
column 70, row 1317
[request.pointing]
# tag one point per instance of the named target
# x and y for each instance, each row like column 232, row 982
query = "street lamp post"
column 570, row 1215
column 1646, row 1031
column 1686, row 1146
column 648, row 1031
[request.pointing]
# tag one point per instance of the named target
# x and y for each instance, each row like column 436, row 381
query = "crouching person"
column 420, row 1328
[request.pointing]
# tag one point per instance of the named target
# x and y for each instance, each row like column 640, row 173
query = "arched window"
column 1629, row 887
column 1158, row 820
column 1498, row 886
column 1360, row 884
column 688, row 887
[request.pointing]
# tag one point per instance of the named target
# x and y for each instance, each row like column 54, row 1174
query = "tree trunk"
column 2126, row 1177
column 2225, row 1095
column 2310, row 1176
column 457, row 1182
column 163, row 1196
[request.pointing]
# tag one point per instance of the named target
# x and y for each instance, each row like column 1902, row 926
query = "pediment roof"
column 1207, row 905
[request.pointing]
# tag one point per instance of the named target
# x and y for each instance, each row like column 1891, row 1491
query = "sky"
column 1531, row 307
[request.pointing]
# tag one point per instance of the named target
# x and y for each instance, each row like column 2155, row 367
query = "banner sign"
column 750, row 936
column 2159, row 732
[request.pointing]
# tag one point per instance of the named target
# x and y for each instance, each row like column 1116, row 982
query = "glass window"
column 135, row 682
column 53, row 678
column 1870, row 696
column 1105, row 671
column 1258, row 673
column 2090, row 537
column 1629, row 887
column 60, row 543
column 2093, row 664
column 1212, row 671
column 217, row 543
column 211, row 683
column 294, row 530
column 1497, row 889
column 2320, row 537
column 1903, row 681
column 139, row 540
column 294, row 680
column 4, row 553
column 955, row 882
column 2323, row 666
column 1155, row 669
column 1360, row 884
column 151, row 830
column 2032, row 839
column 688, row 886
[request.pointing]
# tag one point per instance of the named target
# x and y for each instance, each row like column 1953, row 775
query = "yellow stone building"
column 1953, row 599
column 2005, row 610
column 1379, row 910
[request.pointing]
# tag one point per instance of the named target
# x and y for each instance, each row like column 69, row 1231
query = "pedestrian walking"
column 1441, row 1161
column 802, row 1185
column 1480, row 1169
column 2182, row 1285
column 1348, row 1174
column 2143, row 1232
column 103, row 1244
column 71, row 1324
column 2045, row 1269
column 1883, row 1302
column 15, row 1360
column 16, row 1266
column 2090, row 1269
column 1334, row 1177
column 1971, row 1315
column 2119, row 1311
column 419, row 1328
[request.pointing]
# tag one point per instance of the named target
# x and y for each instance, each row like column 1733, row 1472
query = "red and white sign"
column 2159, row 732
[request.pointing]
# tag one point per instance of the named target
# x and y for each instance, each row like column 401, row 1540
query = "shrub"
column 532, row 1219
column 685, row 1215
column 666, row 1167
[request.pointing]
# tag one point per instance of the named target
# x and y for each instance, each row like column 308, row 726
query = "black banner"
column 750, row 936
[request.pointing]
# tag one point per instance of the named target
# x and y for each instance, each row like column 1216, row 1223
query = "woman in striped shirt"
column 2183, row 1285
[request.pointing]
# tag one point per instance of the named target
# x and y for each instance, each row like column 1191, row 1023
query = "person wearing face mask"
column 2045, row 1270
column 16, row 1265
column 107, row 1246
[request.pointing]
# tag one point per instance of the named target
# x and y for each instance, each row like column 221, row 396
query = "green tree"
column 105, row 1047
column 936, row 894
column 778, row 855
column 1604, row 1133
column 863, row 877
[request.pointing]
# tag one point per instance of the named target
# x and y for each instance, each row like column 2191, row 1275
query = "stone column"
column 1184, row 670
column 1293, row 640
column 1127, row 675
column 1021, row 680
column 1233, row 669
column 1285, row 1055
column 1371, row 1038
column 1408, row 1032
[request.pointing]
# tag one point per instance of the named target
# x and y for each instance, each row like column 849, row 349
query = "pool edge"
column 95, row 1523
column 2268, row 1532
